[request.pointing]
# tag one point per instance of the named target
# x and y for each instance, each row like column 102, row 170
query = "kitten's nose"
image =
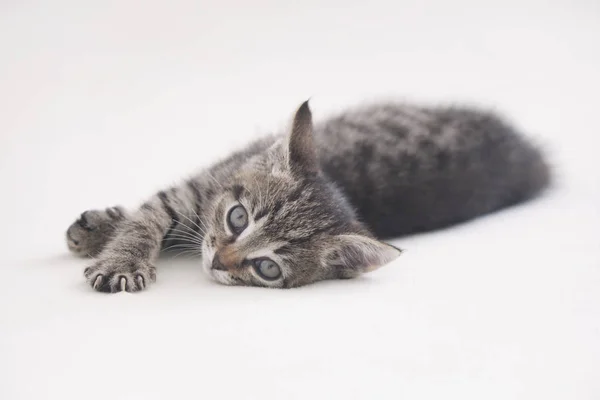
column 216, row 264
column 227, row 259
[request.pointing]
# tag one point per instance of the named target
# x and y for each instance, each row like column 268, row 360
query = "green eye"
column 237, row 219
column 267, row 268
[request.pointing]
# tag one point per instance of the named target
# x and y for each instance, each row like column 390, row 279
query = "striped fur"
column 319, row 197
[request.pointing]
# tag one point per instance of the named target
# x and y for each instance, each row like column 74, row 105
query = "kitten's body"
column 408, row 170
column 315, row 201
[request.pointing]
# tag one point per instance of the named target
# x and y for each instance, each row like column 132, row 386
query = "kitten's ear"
column 302, row 151
column 351, row 255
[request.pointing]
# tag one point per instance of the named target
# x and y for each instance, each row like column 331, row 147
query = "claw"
column 140, row 281
column 123, row 282
column 114, row 212
column 97, row 282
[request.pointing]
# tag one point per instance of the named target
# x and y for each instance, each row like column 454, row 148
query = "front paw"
column 89, row 234
column 120, row 274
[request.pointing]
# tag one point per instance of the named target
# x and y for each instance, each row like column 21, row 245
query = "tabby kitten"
column 298, row 208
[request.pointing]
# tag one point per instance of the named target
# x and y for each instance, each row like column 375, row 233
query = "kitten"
column 294, row 209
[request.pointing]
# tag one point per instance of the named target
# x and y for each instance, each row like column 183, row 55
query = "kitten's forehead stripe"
column 283, row 250
column 260, row 214
column 147, row 206
column 195, row 190
column 237, row 191
column 277, row 207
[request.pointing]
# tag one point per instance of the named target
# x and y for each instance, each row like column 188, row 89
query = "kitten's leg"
column 93, row 230
column 127, row 261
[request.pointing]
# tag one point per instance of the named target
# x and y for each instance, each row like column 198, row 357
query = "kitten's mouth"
column 220, row 276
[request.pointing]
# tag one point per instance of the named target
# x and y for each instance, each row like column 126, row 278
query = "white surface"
column 102, row 103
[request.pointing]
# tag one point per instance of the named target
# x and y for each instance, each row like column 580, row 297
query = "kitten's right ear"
column 301, row 147
column 351, row 255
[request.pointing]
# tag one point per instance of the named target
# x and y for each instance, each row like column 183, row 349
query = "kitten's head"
column 281, row 224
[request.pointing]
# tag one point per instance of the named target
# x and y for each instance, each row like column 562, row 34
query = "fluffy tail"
column 409, row 169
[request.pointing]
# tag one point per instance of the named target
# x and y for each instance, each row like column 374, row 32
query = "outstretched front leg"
column 128, row 245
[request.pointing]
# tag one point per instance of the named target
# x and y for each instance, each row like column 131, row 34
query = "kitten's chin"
column 207, row 256
column 222, row 277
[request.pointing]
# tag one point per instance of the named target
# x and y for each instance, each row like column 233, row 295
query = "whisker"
column 192, row 234
column 187, row 252
column 184, row 238
column 184, row 216
column 183, row 235
column 200, row 221
column 189, row 232
column 191, row 251
column 181, row 245
column 199, row 231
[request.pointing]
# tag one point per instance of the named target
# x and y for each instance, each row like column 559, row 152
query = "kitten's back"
column 408, row 169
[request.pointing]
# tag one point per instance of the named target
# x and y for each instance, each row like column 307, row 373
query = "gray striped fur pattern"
column 314, row 203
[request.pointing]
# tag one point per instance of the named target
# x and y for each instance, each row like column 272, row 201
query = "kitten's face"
column 280, row 224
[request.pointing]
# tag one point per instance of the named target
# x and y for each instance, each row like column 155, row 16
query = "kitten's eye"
column 267, row 268
column 237, row 219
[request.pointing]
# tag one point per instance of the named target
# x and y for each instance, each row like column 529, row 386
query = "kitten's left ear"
column 351, row 255
column 302, row 151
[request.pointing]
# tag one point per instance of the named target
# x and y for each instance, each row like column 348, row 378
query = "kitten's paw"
column 120, row 274
column 89, row 234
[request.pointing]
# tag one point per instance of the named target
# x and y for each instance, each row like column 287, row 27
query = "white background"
column 103, row 103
